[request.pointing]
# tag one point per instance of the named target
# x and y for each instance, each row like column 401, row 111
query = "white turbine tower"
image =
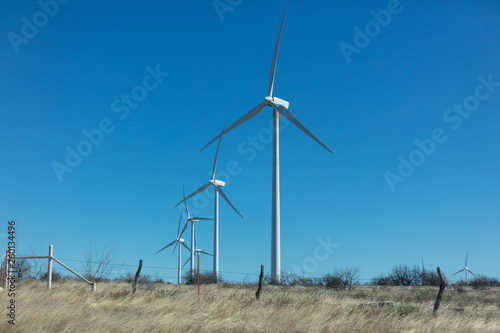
column 192, row 220
column 466, row 269
column 280, row 107
column 178, row 240
column 217, row 184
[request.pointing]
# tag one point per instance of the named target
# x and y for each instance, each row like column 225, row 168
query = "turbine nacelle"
column 218, row 183
column 276, row 100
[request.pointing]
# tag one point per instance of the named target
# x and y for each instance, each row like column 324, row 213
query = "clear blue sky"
column 369, row 107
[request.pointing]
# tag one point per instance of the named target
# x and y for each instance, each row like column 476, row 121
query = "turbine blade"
column 186, row 262
column 179, row 226
column 206, row 253
column 217, row 154
column 466, row 259
column 201, row 218
column 201, row 189
column 186, row 247
column 275, row 57
column 185, row 202
column 459, row 271
column 166, row 246
column 184, row 229
column 285, row 113
column 227, row 200
column 472, row 273
column 175, row 246
column 250, row 114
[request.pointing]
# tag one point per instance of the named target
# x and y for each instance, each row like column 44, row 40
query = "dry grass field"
column 71, row 307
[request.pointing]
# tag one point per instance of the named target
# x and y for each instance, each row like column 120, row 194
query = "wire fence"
column 163, row 272
column 364, row 292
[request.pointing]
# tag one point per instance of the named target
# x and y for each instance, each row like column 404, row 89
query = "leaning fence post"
column 49, row 268
column 261, row 277
column 136, row 276
column 442, row 285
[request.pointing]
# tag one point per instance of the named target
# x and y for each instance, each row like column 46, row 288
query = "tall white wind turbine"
column 466, row 269
column 192, row 220
column 180, row 241
column 280, row 107
column 217, row 184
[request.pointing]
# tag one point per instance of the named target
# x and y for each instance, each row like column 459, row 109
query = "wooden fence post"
column 261, row 277
column 49, row 268
column 136, row 276
column 442, row 285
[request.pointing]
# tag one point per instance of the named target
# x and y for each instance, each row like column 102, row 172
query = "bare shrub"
column 403, row 275
column 333, row 281
column 430, row 279
column 97, row 265
column 55, row 276
column 22, row 269
column 344, row 279
column 383, row 280
column 483, row 282
column 205, row 278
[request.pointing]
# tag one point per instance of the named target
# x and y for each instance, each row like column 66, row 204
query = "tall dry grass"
column 71, row 307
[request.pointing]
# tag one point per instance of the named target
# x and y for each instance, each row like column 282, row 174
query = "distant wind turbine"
column 424, row 277
column 197, row 253
column 217, row 184
column 280, row 107
column 178, row 240
column 466, row 269
column 192, row 220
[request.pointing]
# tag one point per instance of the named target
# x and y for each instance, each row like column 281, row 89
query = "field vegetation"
column 71, row 306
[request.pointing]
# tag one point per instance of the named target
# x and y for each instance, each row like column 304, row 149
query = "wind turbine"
column 280, row 107
column 217, row 184
column 424, row 277
column 192, row 220
column 466, row 269
column 180, row 241
column 197, row 253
